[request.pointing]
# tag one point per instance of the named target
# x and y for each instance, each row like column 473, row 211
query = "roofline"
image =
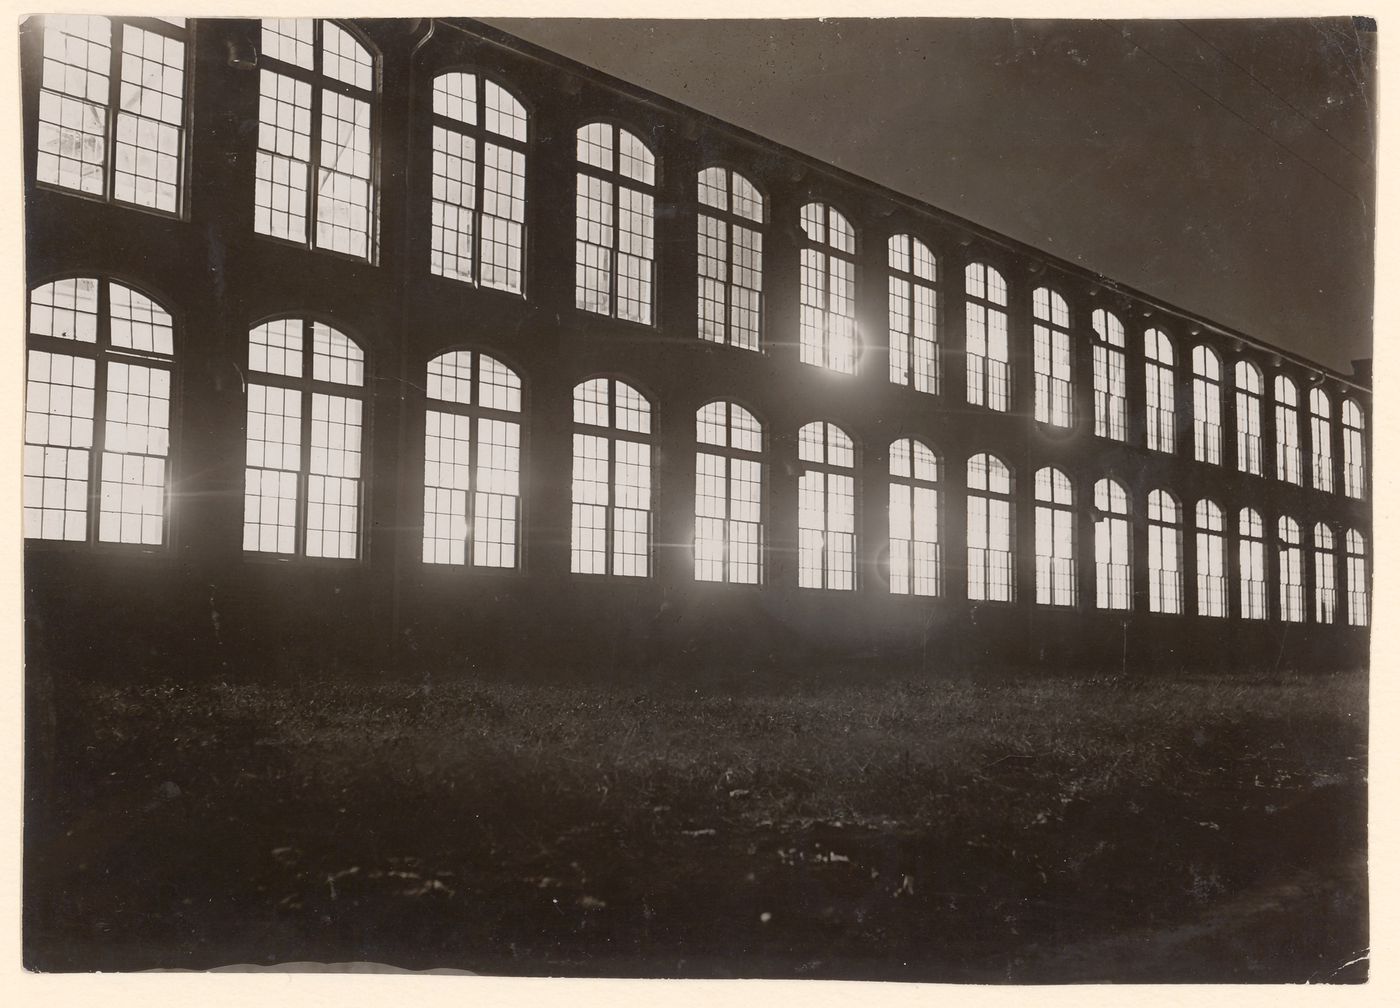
column 496, row 36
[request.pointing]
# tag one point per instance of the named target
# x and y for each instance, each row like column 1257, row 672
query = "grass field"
column 1051, row 830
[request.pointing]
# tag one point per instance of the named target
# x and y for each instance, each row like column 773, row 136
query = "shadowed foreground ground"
column 1203, row 829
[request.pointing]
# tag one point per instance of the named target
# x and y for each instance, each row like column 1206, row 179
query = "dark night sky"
column 1224, row 166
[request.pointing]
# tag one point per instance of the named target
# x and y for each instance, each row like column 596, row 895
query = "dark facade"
column 200, row 604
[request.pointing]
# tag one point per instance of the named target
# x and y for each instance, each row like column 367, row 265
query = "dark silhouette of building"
column 398, row 344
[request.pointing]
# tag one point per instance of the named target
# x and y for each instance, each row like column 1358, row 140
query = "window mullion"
column 109, row 160
column 99, row 409
column 305, row 398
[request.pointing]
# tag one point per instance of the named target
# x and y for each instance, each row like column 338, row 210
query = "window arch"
column 97, row 413
column 1211, row 584
column 1254, row 584
column 112, row 108
column 990, row 536
column 611, row 525
column 1205, row 391
column 1288, row 459
column 1290, row 571
column 914, row 547
column 1055, row 580
column 1320, row 411
column 1164, row 553
column 1110, row 377
column 1160, row 365
column 302, row 486
column 730, row 250
column 913, row 314
column 988, row 352
column 316, row 157
column 1324, row 574
column 826, row 508
column 728, row 494
column 480, row 132
column 1358, row 610
column 1054, row 393
column 828, row 321
column 471, row 461
column 614, row 249
column 1113, row 569
column 1353, row 449
column 1249, row 423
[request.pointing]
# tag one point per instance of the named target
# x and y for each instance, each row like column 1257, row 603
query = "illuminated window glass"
column 1353, row 449
column 827, row 327
column 1320, row 412
column 914, row 551
column 1254, row 574
column 990, row 543
column 315, row 159
column 1055, row 581
column 614, row 253
column 96, row 413
column 1358, row 609
column 1205, row 393
column 98, row 68
column 1288, row 456
column 1110, row 377
column 1113, row 571
column 728, row 495
column 1161, row 391
column 1249, row 422
column 1210, row 559
column 1290, row 571
column 730, row 259
column 303, row 484
column 1054, row 393
column 478, row 225
column 471, row 462
column 913, row 314
column 1164, row 553
column 988, row 352
column 826, row 508
column 612, row 517
column 1324, row 575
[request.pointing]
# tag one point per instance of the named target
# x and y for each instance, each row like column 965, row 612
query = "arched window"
column 1054, row 538
column 1164, row 553
column 112, row 108
column 1249, row 422
column 1290, row 571
column 1288, row 459
column 728, row 495
column 1210, row 559
column 827, row 326
column 730, row 259
column 316, row 137
column 1353, row 449
column 1110, row 377
column 1358, row 612
column 302, row 488
column 914, row 549
column 913, row 314
column 988, row 352
column 614, row 253
column 1254, row 584
column 826, row 508
column 1113, row 569
column 471, row 456
column 97, row 411
column 990, row 546
column 1205, row 391
column 1054, row 394
column 1324, row 574
column 1320, row 408
column 478, row 227
column 1160, row 364
column 611, row 531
